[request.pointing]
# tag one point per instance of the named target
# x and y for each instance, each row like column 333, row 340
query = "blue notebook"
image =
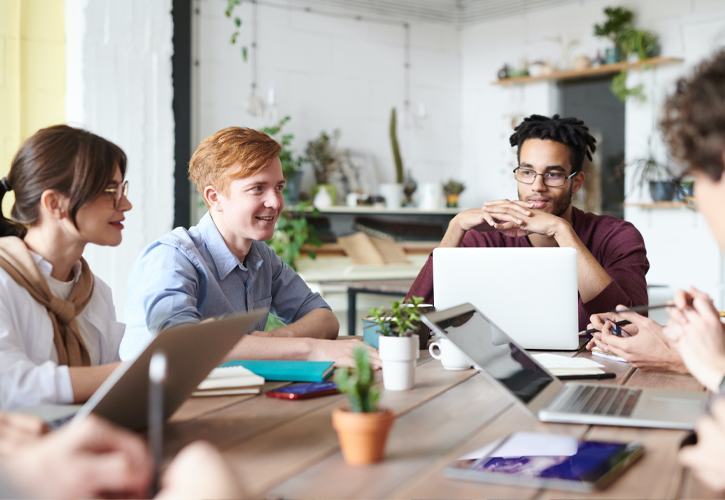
column 288, row 371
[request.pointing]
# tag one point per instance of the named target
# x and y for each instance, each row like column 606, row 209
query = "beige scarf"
column 16, row 260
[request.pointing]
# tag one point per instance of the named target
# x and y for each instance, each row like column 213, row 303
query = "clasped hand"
column 511, row 218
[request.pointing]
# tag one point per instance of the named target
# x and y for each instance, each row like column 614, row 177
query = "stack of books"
column 232, row 380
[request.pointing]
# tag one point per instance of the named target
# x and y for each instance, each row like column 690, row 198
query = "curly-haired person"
column 612, row 260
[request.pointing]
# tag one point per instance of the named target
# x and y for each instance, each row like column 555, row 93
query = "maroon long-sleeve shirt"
column 616, row 244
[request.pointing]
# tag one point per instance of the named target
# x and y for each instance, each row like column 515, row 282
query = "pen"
column 624, row 322
column 637, row 309
column 596, row 376
column 157, row 377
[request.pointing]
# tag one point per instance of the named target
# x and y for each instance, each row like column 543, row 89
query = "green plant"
column 453, row 187
column 401, row 320
column 630, row 40
column 648, row 168
column 231, row 5
column 290, row 164
column 396, row 148
column 617, row 19
column 358, row 382
column 322, row 155
column 292, row 232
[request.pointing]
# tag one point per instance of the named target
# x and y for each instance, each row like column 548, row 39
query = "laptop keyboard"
column 59, row 422
column 600, row 400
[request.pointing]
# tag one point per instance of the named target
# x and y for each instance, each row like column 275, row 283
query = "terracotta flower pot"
column 362, row 436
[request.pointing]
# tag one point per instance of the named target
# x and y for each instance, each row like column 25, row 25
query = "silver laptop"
column 192, row 351
column 540, row 393
column 531, row 293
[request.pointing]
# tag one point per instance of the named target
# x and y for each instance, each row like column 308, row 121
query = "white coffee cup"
column 450, row 356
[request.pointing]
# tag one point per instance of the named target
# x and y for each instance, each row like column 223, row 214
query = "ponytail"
column 8, row 227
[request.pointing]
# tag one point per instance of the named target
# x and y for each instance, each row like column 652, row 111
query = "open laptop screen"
column 481, row 341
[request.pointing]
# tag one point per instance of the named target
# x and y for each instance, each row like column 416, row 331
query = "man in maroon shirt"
column 611, row 257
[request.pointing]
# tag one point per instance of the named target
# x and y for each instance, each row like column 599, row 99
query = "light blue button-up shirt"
column 188, row 276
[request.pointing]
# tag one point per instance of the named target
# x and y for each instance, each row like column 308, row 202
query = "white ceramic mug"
column 450, row 356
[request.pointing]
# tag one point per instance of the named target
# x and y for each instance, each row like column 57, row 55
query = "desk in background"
column 288, row 449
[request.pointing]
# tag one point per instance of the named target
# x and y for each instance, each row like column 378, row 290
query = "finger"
column 677, row 315
column 25, row 424
column 507, row 209
column 507, row 217
column 591, row 344
column 114, row 472
column 614, row 342
column 680, row 299
column 597, row 321
column 672, row 332
column 717, row 409
column 100, row 436
column 706, row 308
column 496, row 202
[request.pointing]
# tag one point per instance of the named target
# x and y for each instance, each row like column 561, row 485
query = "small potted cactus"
column 453, row 190
column 363, row 429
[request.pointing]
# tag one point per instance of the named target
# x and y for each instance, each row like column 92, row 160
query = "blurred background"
column 346, row 85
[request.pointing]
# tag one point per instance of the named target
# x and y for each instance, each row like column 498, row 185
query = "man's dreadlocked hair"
column 570, row 131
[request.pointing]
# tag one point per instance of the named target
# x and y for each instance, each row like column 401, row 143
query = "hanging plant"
column 229, row 12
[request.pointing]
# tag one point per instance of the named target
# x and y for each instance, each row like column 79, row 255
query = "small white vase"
column 322, row 198
column 393, row 194
column 398, row 355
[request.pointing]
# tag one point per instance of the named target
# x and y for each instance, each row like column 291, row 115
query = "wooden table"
column 288, row 449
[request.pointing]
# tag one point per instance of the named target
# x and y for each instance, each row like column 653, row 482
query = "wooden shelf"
column 584, row 73
column 662, row 204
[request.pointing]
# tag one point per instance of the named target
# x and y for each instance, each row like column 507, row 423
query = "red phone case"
column 289, row 395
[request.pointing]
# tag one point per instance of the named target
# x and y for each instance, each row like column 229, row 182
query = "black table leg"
column 351, row 310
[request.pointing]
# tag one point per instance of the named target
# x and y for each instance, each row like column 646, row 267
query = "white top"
column 29, row 373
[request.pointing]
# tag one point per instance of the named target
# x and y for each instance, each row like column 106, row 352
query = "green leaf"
column 234, row 37
column 244, row 54
column 238, row 22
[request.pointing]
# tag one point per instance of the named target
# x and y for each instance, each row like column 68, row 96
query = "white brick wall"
column 335, row 73
column 118, row 67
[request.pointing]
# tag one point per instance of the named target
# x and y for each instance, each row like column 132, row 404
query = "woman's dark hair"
column 694, row 118
column 71, row 161
column 570, row 131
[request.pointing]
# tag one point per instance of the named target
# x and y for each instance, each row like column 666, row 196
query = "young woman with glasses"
column 58, row 332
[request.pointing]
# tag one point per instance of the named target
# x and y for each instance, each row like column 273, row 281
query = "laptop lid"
column 507, row 364
column 192, row 351
column 531, row 293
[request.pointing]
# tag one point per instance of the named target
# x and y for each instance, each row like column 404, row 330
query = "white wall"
column 334, row 73
column 119, row 86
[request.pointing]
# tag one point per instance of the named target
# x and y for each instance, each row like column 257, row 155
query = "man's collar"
column 224, row 260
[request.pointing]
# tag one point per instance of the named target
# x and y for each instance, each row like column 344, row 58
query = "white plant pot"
column 398, row 355
column 393, row 194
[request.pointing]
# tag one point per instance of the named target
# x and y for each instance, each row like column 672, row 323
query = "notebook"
column 562, row 365
column 229, row 381
column 288, row 371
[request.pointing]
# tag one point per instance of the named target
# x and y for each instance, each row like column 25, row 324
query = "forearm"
column 317, row 324
column 271, row 348
column 592, row 278
column 454, row 235
column 87, row 379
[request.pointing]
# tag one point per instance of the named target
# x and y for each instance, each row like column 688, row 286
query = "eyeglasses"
column 118, row 193
column 551, row 179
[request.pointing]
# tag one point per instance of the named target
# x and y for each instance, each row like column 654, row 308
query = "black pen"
column 617, row 332
column 596, row 376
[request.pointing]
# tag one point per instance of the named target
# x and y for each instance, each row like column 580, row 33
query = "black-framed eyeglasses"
column 551, row 179
column 118, row 193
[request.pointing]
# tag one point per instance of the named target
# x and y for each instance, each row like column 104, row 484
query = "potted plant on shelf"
column 393, row 192
column 322, row 154
column 291, row 165
column 399, row 343
column 617, row 19
column 363, row 429
column 648, row 170
column 453, row 189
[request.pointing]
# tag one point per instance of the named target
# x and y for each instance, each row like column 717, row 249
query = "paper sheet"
column 598, row 352
column 563, row 365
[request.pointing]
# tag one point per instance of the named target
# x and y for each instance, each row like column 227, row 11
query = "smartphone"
column 304, row 391
column 548, row 461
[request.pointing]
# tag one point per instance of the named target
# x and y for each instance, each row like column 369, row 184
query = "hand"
column 90, row 459
column 644, row 348
column 340, row 351
column 705, row 459
column 18, row 430
column 480, row 220
column 696, row 333
column 526, row 218
column 199, row 471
